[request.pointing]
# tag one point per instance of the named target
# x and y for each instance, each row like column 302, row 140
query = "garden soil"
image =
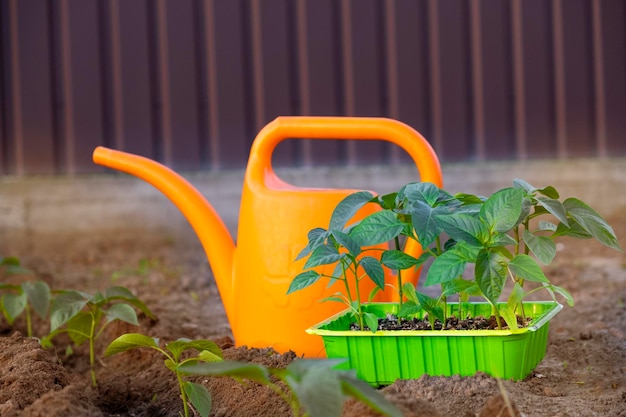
column 583, row 373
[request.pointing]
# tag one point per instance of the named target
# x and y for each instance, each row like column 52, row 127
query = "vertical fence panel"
column 82, row 85
column 190, row 82
column 5, row 98
column 181, row 62
column 319, row 67
column 538, row 80
column 272, row 68
column 232, row 98
column 132, row 71
column 496, row 81
column 367, row 62
column 455, row 81
column 412, row 65
column 613, row 52
column 33, row 149
column 578, row 78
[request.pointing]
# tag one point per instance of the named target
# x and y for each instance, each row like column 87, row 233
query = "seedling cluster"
column 311, row 387
column 504, row 238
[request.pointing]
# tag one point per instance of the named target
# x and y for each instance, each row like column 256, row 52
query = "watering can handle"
column 361, row 128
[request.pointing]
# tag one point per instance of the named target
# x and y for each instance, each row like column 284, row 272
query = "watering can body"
column 275, row 217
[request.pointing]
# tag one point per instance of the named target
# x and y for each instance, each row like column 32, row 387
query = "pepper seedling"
column 208, row 351
column 21, row 298
column 84, row 316
column 346, row 247
column 314, row 388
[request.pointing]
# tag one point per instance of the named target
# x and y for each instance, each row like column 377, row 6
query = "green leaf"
column 201, row 345
column 490, row 274
column 508, row 314
column 409, row 308
column 303, row 280
column 525, row 267
column 431, row 305
column 545, row 226
column 501, row 239
column 397, row 259
column 387, row 201
column 300, row 367
column 549, row 191
column 118, row 293
column 516, row 297
column 371, row 320
column 463, row 227
column 123, row 312
column 424, row 221
column 121, row 293
column 377, row 228
column 171, row 365
column 65, row 306
column 564, row 293
column 13, row 305
column 317, row 236
column 374, row 270
column 208, row 356
column 131, row 341
column 574, row 230
column 421, row 192
column 520, row 183
column 199, row 397
column 542, row 247
column 232, row 369
column 502, row 209
column 555, row 207
column 361, row 391
column 592, row 222
column 347, row 208
column 470, row 199
column 12, row 266
column 79, row 327
column 456, row 286
column 347, row 242
column 408, row 289
column 450, row 264
column 322, row 255
column 319, row 392
column 38, row 293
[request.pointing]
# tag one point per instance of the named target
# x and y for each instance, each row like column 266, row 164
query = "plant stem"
column 183, row 396
column 444, row 301
column 400, row 292
column 92, row 355
column 358, row 298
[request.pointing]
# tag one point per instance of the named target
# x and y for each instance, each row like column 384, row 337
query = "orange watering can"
column 274, row 220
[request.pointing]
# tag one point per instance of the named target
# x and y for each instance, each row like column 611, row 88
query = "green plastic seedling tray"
column 381, row 358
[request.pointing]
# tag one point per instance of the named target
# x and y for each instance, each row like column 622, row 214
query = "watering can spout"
column 209, row 227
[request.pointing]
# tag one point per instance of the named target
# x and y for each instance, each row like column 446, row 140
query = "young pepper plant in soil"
column 348, row 247
column 207, row 350
column 84, row 316
column 23, row 298
column 504, row 237
column 311, row 387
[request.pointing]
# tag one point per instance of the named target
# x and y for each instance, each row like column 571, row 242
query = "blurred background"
column 528, row 88
column 191, row 82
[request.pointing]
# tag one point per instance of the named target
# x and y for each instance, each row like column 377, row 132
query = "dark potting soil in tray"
column 391, row 322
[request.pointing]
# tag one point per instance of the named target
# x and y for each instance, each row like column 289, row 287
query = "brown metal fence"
column 190, row 82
